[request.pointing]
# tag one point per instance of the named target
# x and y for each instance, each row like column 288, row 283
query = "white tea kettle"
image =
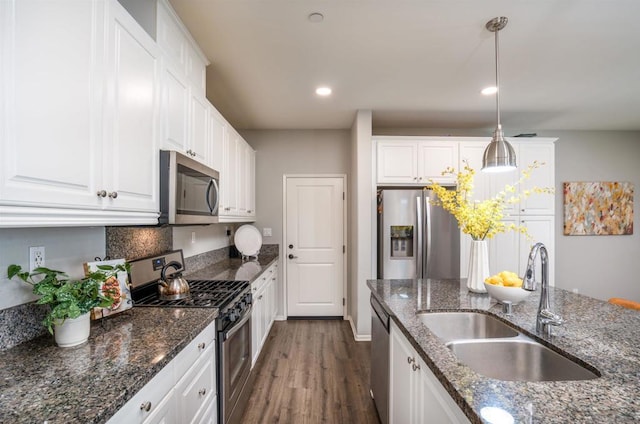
column 175, row 287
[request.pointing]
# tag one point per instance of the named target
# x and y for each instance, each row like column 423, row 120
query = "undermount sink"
column 450, row 326
column 493, row 349
column 518, row 359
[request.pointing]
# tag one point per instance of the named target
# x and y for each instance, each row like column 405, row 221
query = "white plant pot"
column 478, row 266
column 72, row 332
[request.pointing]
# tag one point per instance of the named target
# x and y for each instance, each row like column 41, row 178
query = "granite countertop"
column 602, row 335
column 40, row 382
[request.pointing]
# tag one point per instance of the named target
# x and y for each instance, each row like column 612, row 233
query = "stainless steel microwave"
column 189, row 191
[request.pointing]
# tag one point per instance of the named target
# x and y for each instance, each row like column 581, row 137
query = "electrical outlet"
column 36, row 257
column 266, row 232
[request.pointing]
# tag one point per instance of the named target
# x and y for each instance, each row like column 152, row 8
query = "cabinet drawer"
column 194, row 350
column 149, row 397
column 259, row 283
column 196, row 391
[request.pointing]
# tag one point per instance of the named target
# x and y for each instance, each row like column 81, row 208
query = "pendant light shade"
column 499, row 155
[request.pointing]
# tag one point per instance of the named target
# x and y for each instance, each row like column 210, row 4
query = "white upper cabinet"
column 185, row 110
column 130, row 151
column 414, row 160
column 237, row 179
column 397, row 162
column 180, row 48
column 75, row 129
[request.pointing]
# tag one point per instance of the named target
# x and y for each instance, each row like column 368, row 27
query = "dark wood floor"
column 312, row 372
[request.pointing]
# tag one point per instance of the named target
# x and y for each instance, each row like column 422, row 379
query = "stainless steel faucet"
column 545, row 317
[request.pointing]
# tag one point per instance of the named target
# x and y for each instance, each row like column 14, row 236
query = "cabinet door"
column 397, row 162
column 433, row 158
column 401, row 400
column 175, row 109
column 130, row 157
column 251, row 182
column 241, row 187
column 538, row 204
column 217, row 135
column 541, row 229
column 274, row 293
column 504, row 250
column 196, row 390
column 52, row 109
column 257, row 324
column 229, row 175
column 164, row 412
column 198, row 146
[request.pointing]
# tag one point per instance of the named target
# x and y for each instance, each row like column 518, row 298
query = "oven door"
column 235, row 365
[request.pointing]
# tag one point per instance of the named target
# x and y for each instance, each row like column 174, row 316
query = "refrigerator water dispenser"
column 401, row 241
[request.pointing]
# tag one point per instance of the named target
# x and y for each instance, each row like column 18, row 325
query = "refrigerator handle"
column 427, row 235
column 419, row 231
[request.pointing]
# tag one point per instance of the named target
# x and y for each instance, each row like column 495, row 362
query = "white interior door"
column 314, row 239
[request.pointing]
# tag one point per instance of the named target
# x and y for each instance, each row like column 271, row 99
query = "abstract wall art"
column 598, row 208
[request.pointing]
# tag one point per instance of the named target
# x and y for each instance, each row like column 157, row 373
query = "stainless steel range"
column 233, row 299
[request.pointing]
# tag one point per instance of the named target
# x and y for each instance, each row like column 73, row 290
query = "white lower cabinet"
column 263, row 291
column 415, row 395
column 184, row 391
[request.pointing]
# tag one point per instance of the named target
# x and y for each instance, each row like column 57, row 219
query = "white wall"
column 66, row 249
column 280, row 152
column 598, row 266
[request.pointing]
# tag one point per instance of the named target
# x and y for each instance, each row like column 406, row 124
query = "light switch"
column 266, row 232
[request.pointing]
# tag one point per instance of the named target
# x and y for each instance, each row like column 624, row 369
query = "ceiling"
column 564, row 64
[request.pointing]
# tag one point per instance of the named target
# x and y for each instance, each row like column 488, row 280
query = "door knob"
column 292, row 256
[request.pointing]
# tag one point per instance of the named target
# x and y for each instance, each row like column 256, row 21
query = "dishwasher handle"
column 383, row 316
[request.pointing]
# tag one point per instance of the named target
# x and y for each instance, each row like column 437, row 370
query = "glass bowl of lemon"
column 506, row 286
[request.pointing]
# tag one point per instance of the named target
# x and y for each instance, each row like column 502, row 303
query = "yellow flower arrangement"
column 483, row 219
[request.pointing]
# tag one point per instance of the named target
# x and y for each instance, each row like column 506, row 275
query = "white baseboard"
column 358, row 337
column 280, row 318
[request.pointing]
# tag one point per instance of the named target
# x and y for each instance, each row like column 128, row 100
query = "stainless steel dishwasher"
column 380, row 359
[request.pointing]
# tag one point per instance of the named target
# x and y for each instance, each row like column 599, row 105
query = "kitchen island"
column 603, row 336
column 40, row 382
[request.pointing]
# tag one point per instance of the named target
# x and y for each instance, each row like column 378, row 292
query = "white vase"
column 478, row 266
column 73, row 331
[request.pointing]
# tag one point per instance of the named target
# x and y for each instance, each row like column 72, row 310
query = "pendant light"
column 499, row 155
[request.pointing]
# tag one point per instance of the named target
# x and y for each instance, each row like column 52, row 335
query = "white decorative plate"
column 248, row 240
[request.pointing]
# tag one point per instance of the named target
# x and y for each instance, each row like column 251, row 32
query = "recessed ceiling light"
column 316, row 17
column 323, row 91
column 489, row 90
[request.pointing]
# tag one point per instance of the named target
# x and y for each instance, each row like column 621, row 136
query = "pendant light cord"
column 497, row 80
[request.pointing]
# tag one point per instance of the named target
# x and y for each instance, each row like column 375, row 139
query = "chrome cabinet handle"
column 410, row 359
column 113, row 194
column 146, row 406
column 202, row 345
column 102, row 193
column 202, row 392
column 415, row 367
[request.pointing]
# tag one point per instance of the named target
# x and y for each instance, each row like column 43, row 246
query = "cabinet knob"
column 113, row 194
column 202, row 345
column 146, row 406
column 260, row 297
column 202, row 392
column 410, row 359
column 415, row 367
column 102, row 193
column 249, row 211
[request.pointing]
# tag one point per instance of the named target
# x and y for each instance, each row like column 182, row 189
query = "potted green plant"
column 70, row 300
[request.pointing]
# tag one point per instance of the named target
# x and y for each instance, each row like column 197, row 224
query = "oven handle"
column 238, row 325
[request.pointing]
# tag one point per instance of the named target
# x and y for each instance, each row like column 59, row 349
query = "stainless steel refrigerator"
column 415, row 238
